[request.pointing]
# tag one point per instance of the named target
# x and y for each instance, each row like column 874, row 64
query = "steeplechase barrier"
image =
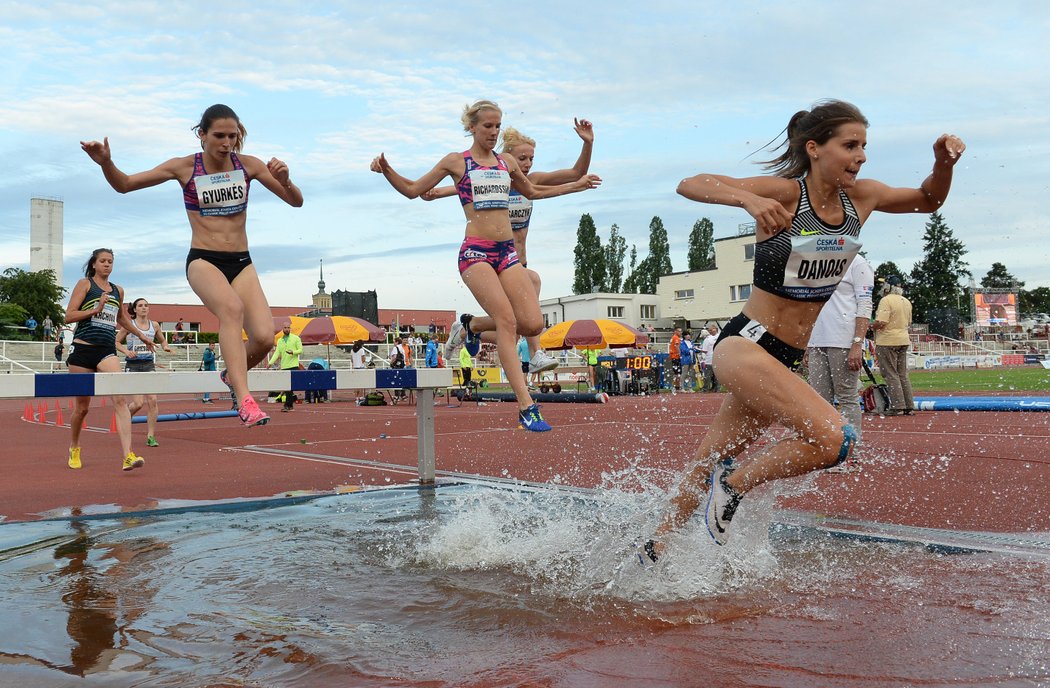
column 422, row 381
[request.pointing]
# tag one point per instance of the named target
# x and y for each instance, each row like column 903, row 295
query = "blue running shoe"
column 472, row 343
column 531, row 419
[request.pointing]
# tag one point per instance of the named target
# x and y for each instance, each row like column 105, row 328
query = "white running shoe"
column 722, row 502
column 456, row 336
column 542, row 362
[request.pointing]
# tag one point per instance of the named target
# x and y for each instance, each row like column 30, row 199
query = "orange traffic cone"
column 71, row 404
column 58, row 417
column 113, row 423
column 28, row 413
column 42, row 410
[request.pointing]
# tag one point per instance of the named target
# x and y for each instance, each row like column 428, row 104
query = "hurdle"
column 423, row 382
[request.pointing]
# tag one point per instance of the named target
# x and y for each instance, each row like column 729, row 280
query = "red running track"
column 981, row 471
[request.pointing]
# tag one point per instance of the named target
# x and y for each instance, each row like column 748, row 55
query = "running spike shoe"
column 531, row 420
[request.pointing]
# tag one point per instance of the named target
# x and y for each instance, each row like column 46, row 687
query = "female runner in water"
column 808, row 217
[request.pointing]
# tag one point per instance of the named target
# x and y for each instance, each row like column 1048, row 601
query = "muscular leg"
column 511, row 305
column 120, row 406
column 239, row 306
column 761, row 391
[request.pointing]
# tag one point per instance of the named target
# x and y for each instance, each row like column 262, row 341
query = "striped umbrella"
column 591, row 334
column 337, row 329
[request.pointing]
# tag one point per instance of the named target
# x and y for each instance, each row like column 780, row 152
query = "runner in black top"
column 95, row 307
column 814, row 201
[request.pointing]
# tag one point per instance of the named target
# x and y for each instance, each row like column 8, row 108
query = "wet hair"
column 818, row 124
column 472, row 112
column 512, row 137
column 89, row 266
column 133, row 305
column 220, row 111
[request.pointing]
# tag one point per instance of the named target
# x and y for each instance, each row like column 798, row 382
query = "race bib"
column 108, row 317
column 224, row 193
column 520, row 211
column 817, row 264
column 490, row 189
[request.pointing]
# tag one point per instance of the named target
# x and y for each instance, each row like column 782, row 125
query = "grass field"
column 1026, row 379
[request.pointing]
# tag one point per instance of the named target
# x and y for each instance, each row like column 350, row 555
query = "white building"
column 45, row 236
column 716, row 294
column 631, row 309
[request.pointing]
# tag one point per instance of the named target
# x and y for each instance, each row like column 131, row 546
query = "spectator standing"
column 31, row 326
column 208, row 363
column 465, row 365
column 707, row 347
column 892, row 343
column 59, row 348
column 48, row 327
column 288, row 349
column 686, row 353
column 432, row 352
column 400, row 357
column 836, row 346
column 674, row 355
column 358, row 361
column 523, row 356
column 591, row 355
column 178, row 332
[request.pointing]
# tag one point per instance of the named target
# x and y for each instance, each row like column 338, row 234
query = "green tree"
column 1000, row 278
column 1034, row 300
column 646, row 276
column 630, row 285
column 659, row 250
column 590, row 258
column 37, row 293
column 12, row 317
column 935, row 279
column 701, row 254
column 615, row 251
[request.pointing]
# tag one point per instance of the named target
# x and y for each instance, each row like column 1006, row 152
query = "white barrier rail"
column 423, row 381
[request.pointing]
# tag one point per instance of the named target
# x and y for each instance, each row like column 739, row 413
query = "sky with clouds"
column 672, row 88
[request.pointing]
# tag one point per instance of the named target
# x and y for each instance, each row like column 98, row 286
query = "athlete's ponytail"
column 819, row 125
column 134, row 305
column 89, row 266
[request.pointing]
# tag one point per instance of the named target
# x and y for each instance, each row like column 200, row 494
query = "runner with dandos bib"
column 807, row 219
column 488, row 262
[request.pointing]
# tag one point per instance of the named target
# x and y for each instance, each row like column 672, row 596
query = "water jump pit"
column 488, row 583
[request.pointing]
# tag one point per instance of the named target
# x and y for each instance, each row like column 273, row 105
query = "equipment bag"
column 876, row 396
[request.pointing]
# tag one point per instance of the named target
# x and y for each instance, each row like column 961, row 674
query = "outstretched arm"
column 764, row 198
column 121, row 182
column 931, row 194
column 414, row 188
column 536, row 191
column 438, row 192
column 585, row 130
